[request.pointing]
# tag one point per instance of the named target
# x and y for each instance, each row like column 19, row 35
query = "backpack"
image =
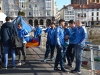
column 15, row 41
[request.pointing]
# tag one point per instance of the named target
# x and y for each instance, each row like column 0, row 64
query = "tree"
column 22, row 13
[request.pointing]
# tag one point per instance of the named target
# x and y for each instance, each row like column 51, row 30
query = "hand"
column 66, row 37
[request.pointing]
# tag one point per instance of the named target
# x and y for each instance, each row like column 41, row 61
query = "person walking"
column 38, row 33
column 60, row 46
column 22, row 33
column 50, row 44
column 71, row 51
column 7, row 33
column 79, row 46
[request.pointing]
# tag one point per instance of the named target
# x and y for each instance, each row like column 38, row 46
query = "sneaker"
column 56, row 69
column 23, row 63
column 79, row 72
column 19, row 64
column 74, row 71
column 51, row 59
column 44, row 60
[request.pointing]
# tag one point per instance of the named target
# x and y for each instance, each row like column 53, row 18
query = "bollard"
column 92, row 62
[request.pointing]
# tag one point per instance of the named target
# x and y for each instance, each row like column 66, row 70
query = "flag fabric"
column 20, row 19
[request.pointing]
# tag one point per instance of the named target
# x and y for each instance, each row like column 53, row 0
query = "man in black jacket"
column 6, row 33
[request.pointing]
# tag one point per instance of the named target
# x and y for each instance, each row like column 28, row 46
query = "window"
column 35, row 5
column 48, row 13
column 92, row 19
column 30, row 6
column 92, row 14
column 48, row 4
column 41, row 6
column 97, row 19
column 30, row 13
column 29, row 0
column 35, row 12
column 97, row 13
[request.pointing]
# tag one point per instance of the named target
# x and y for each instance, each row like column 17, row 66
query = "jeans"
column 65, row 49
column 47, row 49
column 78, row 56
column 39, row 37
column 6, row 50
column 52, row 47
column 59, row 57
column 70, row 54
column 22, row 52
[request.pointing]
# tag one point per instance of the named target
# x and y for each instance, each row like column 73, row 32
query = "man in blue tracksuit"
column 66, row 39
column 60, row 46
column 79, row 46
column 38, row 33
column 23, row 34
column 71, row 51
column 50, row 44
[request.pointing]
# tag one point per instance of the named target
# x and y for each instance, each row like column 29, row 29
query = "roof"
column 84, row 6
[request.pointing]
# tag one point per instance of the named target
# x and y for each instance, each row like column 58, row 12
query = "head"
column 78, row 23
column 61, row 22
column 52, row 25
column 66, row 25
column 8, row 19
column 71, row 23
column 38, row 25
column 19, row 26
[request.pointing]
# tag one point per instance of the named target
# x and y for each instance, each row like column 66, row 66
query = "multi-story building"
column 1, row 6
column 87, row 13
column 38, row 11
column 78, row 1
column 11, row 7
column 84, row 1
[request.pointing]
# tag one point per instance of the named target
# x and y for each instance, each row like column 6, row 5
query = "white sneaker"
column 19, row 64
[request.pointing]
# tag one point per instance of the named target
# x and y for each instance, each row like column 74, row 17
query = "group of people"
column 69, row 40
column 7, row 31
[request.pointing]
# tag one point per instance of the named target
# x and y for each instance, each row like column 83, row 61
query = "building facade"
column 1, row 6
column 41, row 12
column 89, row 14
column 38, row 11
column 84, row 1
column 11, row 7
column 78, row 1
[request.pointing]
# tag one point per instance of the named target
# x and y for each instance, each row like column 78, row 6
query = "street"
column 36, row 66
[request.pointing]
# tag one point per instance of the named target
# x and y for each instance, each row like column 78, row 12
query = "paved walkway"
column 36, row 66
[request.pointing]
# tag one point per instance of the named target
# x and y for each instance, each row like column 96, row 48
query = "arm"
column 40, row 31
column 67, row 34
column 25, row 32
column 57, row 34
column 83, row 36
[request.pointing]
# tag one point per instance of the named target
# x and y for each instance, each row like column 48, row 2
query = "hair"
column 52, row 23
column 71, row 21
column 61, row 20
column 66, row 24
column 20, row 24
column 8, row 19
